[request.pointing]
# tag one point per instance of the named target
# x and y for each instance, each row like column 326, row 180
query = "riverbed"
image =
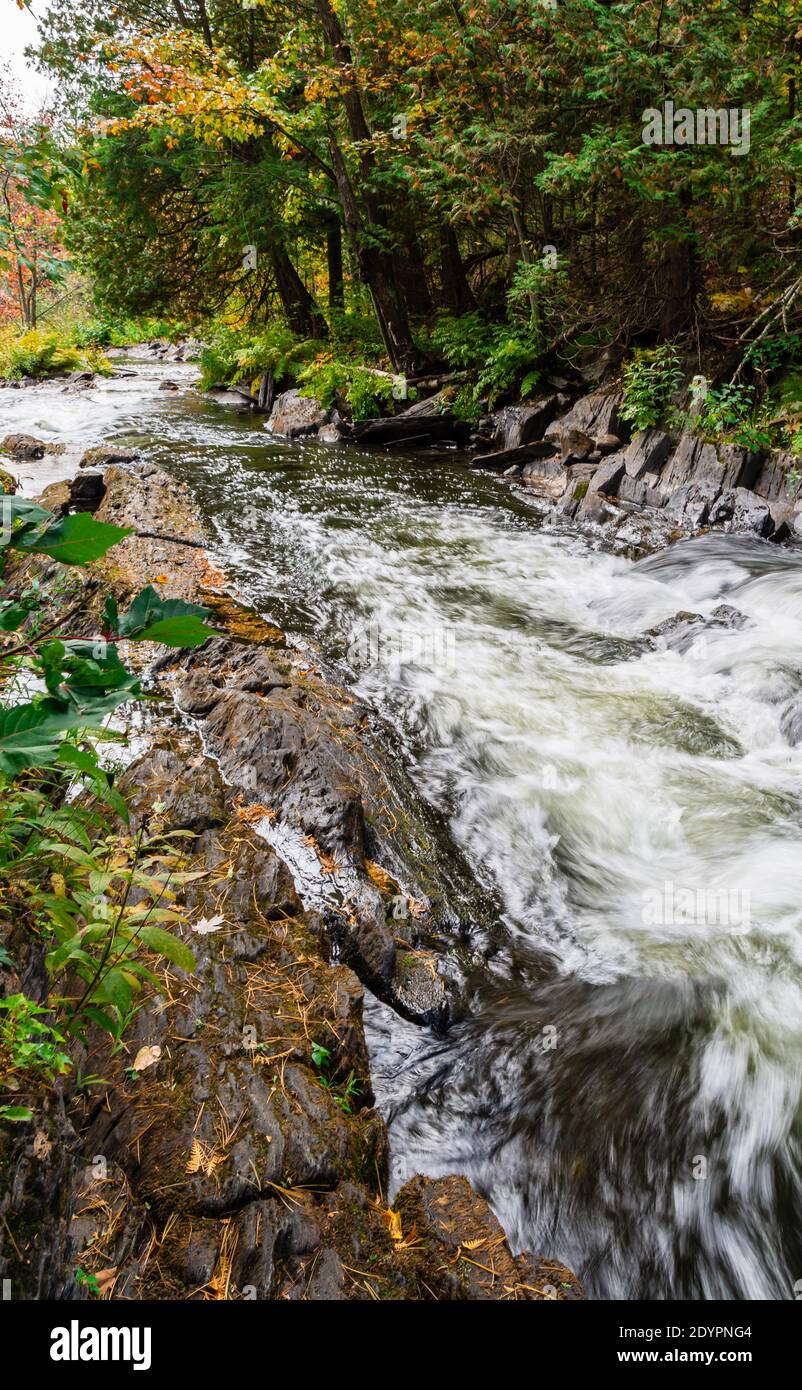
column 625, row 1087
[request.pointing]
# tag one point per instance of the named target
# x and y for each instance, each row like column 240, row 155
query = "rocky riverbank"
column 232, row 1149
column 579, row 458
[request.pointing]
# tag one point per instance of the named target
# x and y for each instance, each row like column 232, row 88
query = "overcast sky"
column 17, row 30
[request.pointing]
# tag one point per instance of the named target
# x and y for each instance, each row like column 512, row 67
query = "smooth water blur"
column 626, row 1088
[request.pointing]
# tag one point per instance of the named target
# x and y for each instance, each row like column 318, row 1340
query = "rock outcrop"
column 246, row 1159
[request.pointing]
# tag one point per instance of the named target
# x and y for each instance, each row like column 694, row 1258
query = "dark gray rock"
column 521, row 424
column 546, row 477
column 575, row 444
column 607, row 477
column 647, row 453
column 641, row 491
column 27, row 449
column 693, row 462
column 723, row 467
column 105, row 454
column 742, row 512
column 690, row 506
column 596, row 415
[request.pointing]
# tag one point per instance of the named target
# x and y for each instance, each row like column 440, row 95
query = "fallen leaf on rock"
column 207, row 925
column 41, row 1145
column 146, row 1057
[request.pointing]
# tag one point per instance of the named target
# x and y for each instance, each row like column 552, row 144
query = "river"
column 626, row 1087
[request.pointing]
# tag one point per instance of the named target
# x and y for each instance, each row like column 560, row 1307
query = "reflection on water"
column 626, row 1087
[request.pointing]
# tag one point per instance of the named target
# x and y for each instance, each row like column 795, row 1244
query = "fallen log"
column 407, row 429
column 505, row 458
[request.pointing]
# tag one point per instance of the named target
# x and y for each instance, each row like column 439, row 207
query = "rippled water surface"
column 626, row 1089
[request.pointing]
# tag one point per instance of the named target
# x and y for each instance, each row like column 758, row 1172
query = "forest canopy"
column 433, row 180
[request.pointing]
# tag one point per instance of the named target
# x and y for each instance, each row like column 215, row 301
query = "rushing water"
column 626, row 1086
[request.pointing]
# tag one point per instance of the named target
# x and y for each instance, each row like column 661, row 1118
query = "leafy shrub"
column 97, row 902
column 38, row 354
column 498, row 358
column 730, row 412
column 651, row 378
column 241, row 354
column 362, row 390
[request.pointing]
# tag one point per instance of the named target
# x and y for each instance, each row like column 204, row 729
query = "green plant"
column 38, row 354
column 29, row 1044
column 362, row 390
column 97, row 903
column 730, row 412
column 244, row 354
column 650, row 380
column 343, row 1092
column 498, row 359
column 87, row 1281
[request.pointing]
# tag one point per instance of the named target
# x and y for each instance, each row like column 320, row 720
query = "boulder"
column 743, row 512
column 607, row 476
column 643, row 491
column 78, row 382
column 87, row 491
column 27, row 449
column 596, row 415
column 772, row 483
column 546, row 477
column 693, row 461
column 294, row 415
column 647, row 453
column 575, row 444
column 690, row 506
column 723, row 467
column 521, row 424
column 579, row 479
column 104, row 454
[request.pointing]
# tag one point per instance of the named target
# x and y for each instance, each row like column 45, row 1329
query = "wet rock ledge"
column 245, row 1159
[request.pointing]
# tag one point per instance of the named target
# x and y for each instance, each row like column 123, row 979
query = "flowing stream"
column 626, row 1088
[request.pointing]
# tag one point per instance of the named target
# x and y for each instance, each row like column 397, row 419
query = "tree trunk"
column 411, row 275
column 376, row 270
column 334, row 260
column 678, row 275
column 364, row 234
column 457, row 293
column 300, row 309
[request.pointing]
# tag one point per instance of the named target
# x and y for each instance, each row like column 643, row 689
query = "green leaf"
column 80, row 758
column 151, row 613
column 16, row 1114
column 19, row 509
column 29, row 737
column 12, row 616
column 102, row 1019
column 74, row 540
column 177, row 632
column 168, row 945
column 115, row 989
